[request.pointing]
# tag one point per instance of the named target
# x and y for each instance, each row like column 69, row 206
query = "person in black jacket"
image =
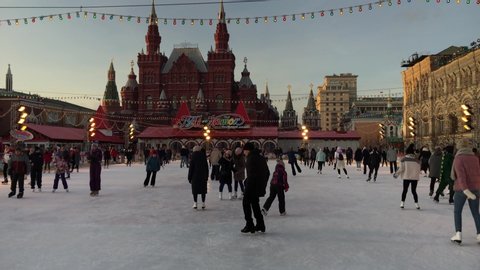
column 198, row 175
column 366, row 159
column 374, row 163
column 36, row 160
column 255, row 187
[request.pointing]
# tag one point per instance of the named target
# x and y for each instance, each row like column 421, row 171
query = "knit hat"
column 249, row 146
column 197, row 148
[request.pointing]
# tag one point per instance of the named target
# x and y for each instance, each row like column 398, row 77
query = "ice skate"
column 260, row 228
column 33, row 189
column 220, row 196
column 11, row 194
column 348, row 177
column 264, row 212
column 283, row 214
column 417, row 206
column 430, row 194
column 53, row 191
column 234, row 195
column 39, row 190
column 402, row 205
column 435, row 199
column 230, row 197
column 457, row 238
column 66, row 190
column 339, row 177
column 20, row 195
column 368, row 180
column 194, row 205
column 203, row 206
column 248, row 229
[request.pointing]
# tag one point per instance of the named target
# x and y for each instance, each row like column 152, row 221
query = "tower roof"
column 289, row 105
column 245, row 80
column 153, row 14
column 311, row 102
column 200, row 95
column 9, row 72
column 193, row 54
column 221, row 14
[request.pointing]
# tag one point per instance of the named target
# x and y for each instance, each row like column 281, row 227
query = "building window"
column 149, row 101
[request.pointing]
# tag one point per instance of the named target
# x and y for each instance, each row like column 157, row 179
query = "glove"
column 470, row 194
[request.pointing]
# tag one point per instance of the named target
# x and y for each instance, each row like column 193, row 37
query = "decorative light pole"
column 206, row 134
column 305, row 135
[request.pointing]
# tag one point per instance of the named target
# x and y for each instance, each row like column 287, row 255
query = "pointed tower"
column 289, row 117
column 9, row 80
column 129, row 93
column 163, row 104
column 111, row 101
column 221, row 68
column 153, row 38
column 311, row 116
column 200, row 105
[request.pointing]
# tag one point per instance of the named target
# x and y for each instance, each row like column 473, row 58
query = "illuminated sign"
column 21, row 135
column 224, row 121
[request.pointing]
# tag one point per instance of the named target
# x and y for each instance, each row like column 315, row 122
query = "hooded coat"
column 198, row 172
column 435, row 163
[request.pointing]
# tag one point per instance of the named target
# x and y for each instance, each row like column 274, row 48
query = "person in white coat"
column 410, row 173
column 340, row 162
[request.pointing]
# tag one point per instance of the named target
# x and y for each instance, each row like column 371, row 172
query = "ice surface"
column 331, row 224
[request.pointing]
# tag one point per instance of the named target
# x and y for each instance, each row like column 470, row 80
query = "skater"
column 215, row 156
column 76, row 159
column 424, row 157
column 466, row 175
column 278, row 186
column 349, row 153
column 106, row 158
column 340, row 162
column 313, row 157
column 410, row 173
column 36, row 160
column 358, row 158
column 434, row 164
column 61, row 168
column 366, row 159
column 321, row 156
column 239, row 172
column 292, row 160
column 255, row 185
column 18, row 167
column 129, row 155
column 198, row 175
column 184, row 157
column 445, row 172
column 374, row 164
column 153, row 166
column 392, row 159
column 95, row 158
column 6, row 157
column 226, row 169
column 47, row 159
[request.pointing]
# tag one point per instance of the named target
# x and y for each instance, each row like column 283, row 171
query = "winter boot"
column 402, row 205
column 20, row 195
column 39, row 189
column 457, row 238
column 283, row 214
column 203, row 206
column 249, row 228
column 436, row 199
column 417, row 206
column 235, row 195
column 368, row 180
column 260, row 228
column 220, row 196
column 430, row 194
column 53, row 191
column 194, row 205
column 11, row 194
column 348, row 177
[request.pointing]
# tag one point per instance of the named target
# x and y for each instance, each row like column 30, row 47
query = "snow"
column 331, row 223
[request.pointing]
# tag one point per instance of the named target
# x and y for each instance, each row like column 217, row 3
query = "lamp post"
column 305, row 135
column 206, row 135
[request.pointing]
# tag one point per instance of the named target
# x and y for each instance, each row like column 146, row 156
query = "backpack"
column 340, row 156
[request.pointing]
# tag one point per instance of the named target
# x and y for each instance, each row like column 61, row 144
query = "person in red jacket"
column 278, row 186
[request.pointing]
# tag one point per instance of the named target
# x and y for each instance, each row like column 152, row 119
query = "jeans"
column 64, row 181
column 459, row 202
column 237, row 183
column 295, row 164
column 229, row 186
column 274, row 191
column 195, row 196
column 320, row 165
column 373, row 168
column 154, row 175
column 5, row 171
column 36, row 177
column 406, row 183
column 393, row 166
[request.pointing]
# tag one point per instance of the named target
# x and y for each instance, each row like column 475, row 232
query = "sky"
column 71, row 57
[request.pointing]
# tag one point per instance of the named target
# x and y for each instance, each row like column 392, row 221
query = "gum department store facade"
column 435, row 87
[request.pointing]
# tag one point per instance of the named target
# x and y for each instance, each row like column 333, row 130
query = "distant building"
column 435, row 87
column 334, row 98
column 289, row 118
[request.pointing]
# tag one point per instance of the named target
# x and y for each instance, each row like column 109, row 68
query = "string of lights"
column 292, row 17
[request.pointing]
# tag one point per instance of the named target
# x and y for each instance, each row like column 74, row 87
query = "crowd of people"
column 457, row 168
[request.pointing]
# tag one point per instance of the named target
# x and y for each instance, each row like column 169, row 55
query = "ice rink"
column 331, row 223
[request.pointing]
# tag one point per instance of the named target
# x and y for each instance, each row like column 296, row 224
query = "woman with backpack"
column 278, row 186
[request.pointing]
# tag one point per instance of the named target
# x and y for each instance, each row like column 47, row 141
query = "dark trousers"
column 295, row 164
column 365, row 168
column 252, row 202
column 393, row 166
column 373, row 169
column 320, row 165
column 195, row 196
column 36, row 177
column 17, row 178
column 432, row 183
column 154, row 175
column 215, row 172
column 441, row 188
column 59, row 176
column 406, row 183
column 274, row 191
column 237, row 183
column 229, row 186
column 106, row 163
column 5, row 171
